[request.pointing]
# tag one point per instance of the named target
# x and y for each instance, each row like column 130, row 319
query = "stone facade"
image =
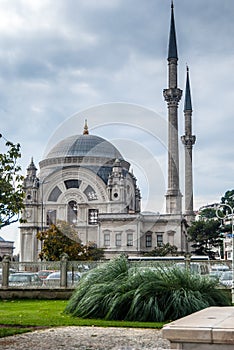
column 96, row 194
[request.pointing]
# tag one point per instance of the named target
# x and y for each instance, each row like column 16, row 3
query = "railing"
column 63, row 273
column 66, row 274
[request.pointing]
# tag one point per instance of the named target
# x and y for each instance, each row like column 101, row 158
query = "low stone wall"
column 39, row 293
column 208, row 329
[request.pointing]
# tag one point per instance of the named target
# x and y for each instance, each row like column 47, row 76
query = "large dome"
column 84, row 146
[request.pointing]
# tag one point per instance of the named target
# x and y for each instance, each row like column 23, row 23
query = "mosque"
column 85, row 181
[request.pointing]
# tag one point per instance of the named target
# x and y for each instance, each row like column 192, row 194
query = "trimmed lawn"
column 17, row 315
column 7, row 331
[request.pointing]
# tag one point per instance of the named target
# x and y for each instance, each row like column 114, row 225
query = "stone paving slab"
column 213, row 325
column 87, row 338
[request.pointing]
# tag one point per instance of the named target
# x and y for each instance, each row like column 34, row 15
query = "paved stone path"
column 87, row 338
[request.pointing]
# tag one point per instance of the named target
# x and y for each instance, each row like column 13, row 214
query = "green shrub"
column 117, row 291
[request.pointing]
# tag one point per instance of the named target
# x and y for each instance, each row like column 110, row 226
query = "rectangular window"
column 106, row 239
column 118, row 240
column 148, row 240
column 93, row 216
column 159, row 240
column 72, row 213
column 129, row 239
column 50, row 217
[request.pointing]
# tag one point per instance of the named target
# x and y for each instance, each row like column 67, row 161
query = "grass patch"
column 7, row 331
column 19, row 316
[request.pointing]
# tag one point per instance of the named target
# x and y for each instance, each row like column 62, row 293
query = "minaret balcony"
column 172, row 96
column 188, row 140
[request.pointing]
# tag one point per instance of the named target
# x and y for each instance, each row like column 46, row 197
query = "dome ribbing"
column 84, row 146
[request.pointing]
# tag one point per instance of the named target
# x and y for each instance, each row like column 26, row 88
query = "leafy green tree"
column 68, row 230
column 11, row 182
column 228, row 198
column 162, row 250
column 208, row 213
column 63, row 239
column 224, row 211
column 205, row 234
column 92, row 253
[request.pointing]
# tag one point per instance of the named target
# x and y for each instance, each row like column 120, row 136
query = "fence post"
column 187, row 260
column 5, row 271
column 63, row 270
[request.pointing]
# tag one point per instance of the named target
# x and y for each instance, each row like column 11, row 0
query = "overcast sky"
column 62, row 61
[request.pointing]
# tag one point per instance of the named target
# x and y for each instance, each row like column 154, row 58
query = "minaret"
column 172, row 96
column 188, row 140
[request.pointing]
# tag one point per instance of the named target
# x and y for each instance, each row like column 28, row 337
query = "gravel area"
column 87, row 338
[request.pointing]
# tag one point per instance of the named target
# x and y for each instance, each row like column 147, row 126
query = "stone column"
column 63, row 270
column 5, row 271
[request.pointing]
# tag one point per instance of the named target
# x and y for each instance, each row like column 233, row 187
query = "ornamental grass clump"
column 117, row 291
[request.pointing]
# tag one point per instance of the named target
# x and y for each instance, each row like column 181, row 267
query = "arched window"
column 72, row 212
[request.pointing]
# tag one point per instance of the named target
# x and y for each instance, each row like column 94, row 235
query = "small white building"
column 6, row 248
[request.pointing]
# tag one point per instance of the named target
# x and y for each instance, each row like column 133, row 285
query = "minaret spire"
column 31, row 169
column 172, row 96
column 188, row 140
column 187, row 100
column 172, row 48
column 86, row 129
